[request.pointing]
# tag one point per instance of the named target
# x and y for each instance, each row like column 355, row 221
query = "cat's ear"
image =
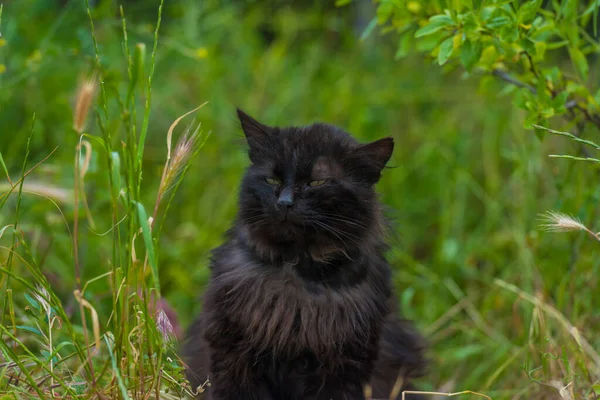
column 257, row 136
column 369, row 159
column 378, row 152
column 253, row 129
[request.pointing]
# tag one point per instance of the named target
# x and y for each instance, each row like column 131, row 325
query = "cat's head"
column 310, row 188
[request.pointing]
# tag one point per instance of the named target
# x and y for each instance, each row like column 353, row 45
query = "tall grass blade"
column 6, row 278
column 4, row 168
column 116, row 369
column 144, row 132
column 147, row 235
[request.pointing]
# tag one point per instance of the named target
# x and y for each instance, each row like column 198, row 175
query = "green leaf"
column 528, row 45
column 428, row 44
column 115, row 173
column 556, row 45
column 4, row 229
column 579, row 61
column 403, row 46
column 467, row 351
column 498, row 17
column 470, row 53
column 533, row 119
column 384, row 12
column 558, row 102
column 553, row 75
column 34, row 303
column 445, row 50
column 498, row 22
column 48, row 356
column 147, row 235
column 436, row 23
column 540, row 49
column 510, row 33
column 407, row 297
column 29, row 329
column 60, row 347
column 539, row 133
column 368, row 29
column 528, row 10
column 569, row 8
column 469, row 24
column 3, row 165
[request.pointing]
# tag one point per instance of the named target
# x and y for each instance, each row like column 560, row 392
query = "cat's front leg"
column 231, row 385
column 233, row 375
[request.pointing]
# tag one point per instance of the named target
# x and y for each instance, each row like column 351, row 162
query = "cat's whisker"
column 341, row 217
column 337, row 232
column 327, row 228
column 345, row 221
column 348, row 235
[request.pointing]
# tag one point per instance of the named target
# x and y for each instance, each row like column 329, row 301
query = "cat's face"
column 310, row 185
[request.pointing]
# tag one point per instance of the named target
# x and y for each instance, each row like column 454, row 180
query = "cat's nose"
column 286, row 199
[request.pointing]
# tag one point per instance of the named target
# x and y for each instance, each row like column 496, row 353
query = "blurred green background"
column 465, row 193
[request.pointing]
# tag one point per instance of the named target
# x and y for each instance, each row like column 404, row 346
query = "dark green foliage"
column 520, row 42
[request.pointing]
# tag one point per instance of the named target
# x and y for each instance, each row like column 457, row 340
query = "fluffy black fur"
column 300, row 302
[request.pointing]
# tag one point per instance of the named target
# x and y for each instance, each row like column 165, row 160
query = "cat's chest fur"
column 286, row 308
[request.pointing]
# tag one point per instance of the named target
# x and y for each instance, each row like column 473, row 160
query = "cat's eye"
column 273, row 181
column 317, row 183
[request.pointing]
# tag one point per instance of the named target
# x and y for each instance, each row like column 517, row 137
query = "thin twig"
column 510, row 79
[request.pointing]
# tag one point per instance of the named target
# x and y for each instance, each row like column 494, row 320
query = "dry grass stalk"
column 565, row 391
column 58, row 194
column 95, row 319
column 398, row 385
column 549, row 310
column 444, row 394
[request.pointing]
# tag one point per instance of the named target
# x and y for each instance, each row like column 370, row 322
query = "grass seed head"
column 559, row 222
column 86, row 92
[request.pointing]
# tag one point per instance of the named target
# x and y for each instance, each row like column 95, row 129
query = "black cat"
column 300, row 302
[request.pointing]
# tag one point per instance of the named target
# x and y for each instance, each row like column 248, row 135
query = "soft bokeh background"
column 465, row 192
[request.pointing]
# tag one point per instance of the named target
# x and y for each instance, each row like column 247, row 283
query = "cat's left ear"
column 253, row 129
column 369, row 159
column 257, row 135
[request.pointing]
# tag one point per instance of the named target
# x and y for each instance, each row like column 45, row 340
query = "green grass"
column 502, row 302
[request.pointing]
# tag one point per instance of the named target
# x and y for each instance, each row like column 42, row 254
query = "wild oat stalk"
column 558, row 222
column 178, row 160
